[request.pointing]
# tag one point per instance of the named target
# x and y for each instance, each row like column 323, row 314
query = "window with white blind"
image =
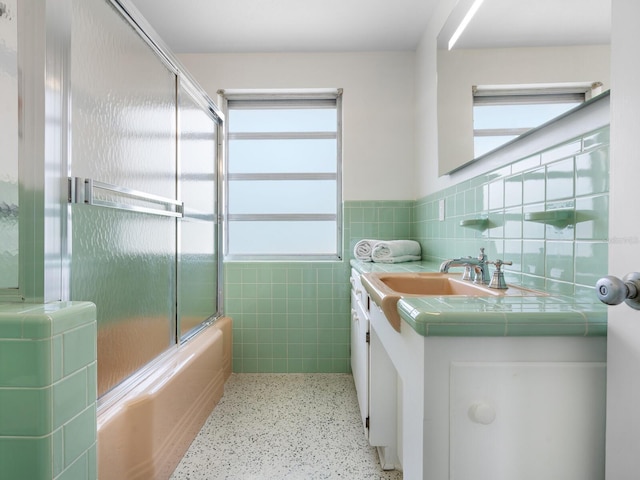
column 283, row 176
column 504, row 112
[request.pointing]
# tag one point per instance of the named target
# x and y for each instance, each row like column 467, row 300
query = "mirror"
column 8, row 144
column 511, row 43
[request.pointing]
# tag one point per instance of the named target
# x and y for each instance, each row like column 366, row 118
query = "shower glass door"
column 198, row 229
column 123, row 119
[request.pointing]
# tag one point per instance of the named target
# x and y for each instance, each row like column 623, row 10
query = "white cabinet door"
column 382, row 396
column 527, row 421
column 360, row 356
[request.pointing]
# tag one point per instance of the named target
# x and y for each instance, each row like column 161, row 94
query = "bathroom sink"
column 435, row 284
column 431, row 284
column 387, row 288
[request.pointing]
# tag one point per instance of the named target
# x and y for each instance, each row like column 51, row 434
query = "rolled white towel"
column 396, row 251
column 362, row 250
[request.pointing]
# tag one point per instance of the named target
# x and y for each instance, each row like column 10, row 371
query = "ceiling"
column 538, row 23
column 231, row 26
column 201, row 26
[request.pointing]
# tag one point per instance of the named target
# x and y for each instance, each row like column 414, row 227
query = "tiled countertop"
column 553, row 315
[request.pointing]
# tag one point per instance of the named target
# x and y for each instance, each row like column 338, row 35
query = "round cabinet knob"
column 482, row 413
column 613, row 291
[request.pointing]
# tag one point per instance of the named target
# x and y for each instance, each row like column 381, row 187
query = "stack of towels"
column 387, row 251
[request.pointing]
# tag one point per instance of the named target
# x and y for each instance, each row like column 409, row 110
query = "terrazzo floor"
column 284, row 426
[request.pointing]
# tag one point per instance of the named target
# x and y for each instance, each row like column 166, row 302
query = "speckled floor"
column 284, row 426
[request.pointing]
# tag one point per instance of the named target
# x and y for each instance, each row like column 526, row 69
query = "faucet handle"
column 497, row 279
column 498, row 263
column 467, row 273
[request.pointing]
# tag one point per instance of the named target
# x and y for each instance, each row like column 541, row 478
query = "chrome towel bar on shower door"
column 81, row 191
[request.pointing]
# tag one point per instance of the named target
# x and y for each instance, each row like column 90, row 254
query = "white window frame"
column 271, row 99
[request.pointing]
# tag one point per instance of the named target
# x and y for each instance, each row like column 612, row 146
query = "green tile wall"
column 558, row 257
column 384, row 220
column 288, row 317
column 294, row 317
column 48, row 391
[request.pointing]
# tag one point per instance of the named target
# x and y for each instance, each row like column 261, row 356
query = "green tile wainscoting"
column 295, row 316
column 288, row 317
column 48, row 388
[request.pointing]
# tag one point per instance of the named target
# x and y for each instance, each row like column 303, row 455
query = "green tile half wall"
column 48, row 391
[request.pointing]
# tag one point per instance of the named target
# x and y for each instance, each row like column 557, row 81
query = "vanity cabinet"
column 499, row 408
column 376, row 393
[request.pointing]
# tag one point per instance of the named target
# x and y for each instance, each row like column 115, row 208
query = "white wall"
column 378, row 105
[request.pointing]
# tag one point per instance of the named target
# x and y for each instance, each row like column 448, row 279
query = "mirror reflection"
column 515, row 65
column 8, row 144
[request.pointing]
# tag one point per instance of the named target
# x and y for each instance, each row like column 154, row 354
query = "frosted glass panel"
column 198, row 256
column 510, row 116
column 9, row 243
column 278, row 156
column 123, row 100
column 266, row 197
column 124, row 128
column 282, row 238
column 125, row 263
column 517, row 116
column 283, row 120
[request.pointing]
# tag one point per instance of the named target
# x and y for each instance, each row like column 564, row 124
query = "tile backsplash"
column 547, row 213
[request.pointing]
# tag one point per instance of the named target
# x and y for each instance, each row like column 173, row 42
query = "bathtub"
column 147, row 431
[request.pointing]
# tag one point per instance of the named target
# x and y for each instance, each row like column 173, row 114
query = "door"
column 623, row 341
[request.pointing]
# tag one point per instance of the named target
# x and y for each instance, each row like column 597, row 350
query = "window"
column 502, row 113
column 283, row 176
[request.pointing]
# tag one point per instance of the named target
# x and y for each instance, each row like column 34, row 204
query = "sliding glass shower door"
column 143, row 215
column 198, row 234
column 123, row 135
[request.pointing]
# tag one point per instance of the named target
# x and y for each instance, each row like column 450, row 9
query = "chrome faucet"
column 476, row 266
